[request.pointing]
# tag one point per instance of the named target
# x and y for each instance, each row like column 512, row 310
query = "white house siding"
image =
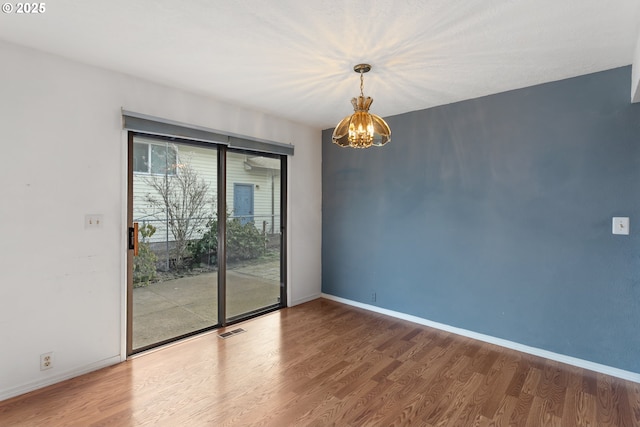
column 203, row 161
column 266, row 191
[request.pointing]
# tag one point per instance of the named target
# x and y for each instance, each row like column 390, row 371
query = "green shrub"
column 144, row 265
column 205, row 249
column 244, row 242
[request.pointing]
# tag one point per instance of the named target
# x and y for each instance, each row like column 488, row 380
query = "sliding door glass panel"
column 174, row 272
column 253, row 233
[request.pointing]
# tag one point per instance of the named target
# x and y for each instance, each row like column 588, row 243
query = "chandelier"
column 361, row 129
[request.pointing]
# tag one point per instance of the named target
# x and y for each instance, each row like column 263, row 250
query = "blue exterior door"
column 243, row 202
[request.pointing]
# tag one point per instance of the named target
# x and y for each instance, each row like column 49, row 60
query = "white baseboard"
column 305, row 299
column 585, row 364
column 26, row 388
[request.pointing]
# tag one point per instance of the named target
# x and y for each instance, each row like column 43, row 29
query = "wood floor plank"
column 552, row 388
column 585, row 410
column 460, row 395
column 521, row 411
column 623, row 407
column 530, row 384
column 327, row 364
column 366, row 404
column 634, row 402
column 409, row 415
column 573, row 402
column 504, row 369
column 502, row 415
column 605, row 403
column 517, row 380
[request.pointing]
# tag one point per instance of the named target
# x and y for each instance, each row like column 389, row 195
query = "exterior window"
column 154, row 159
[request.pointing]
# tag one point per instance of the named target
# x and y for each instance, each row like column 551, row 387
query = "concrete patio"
column 175, row 307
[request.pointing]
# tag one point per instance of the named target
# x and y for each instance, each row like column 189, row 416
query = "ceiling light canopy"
column 361, row 129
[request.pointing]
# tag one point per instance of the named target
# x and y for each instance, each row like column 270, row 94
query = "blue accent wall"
column 494, row 215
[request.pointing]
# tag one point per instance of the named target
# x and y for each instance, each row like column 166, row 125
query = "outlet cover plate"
column 46, row 361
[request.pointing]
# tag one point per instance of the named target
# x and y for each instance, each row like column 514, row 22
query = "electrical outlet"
column 46, row 361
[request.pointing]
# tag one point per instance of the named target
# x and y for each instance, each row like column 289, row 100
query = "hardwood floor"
column 327, row 364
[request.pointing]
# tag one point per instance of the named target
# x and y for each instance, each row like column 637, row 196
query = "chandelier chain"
column 361, row 84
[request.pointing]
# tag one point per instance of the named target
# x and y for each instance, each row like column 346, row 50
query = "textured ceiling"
column 294, row 59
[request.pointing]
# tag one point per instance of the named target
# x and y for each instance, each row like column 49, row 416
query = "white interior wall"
column 61, row 285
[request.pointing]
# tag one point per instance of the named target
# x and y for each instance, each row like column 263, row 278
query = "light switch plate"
column 92, row 221
column 620, row 225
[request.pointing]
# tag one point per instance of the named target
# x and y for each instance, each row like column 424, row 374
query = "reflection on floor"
column 175, row 307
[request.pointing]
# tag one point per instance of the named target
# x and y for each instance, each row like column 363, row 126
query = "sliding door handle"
column 133, row 238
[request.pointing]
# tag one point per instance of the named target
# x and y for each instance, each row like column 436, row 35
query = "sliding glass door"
column 254, row 250
column 188, row 272
column 173, row 207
